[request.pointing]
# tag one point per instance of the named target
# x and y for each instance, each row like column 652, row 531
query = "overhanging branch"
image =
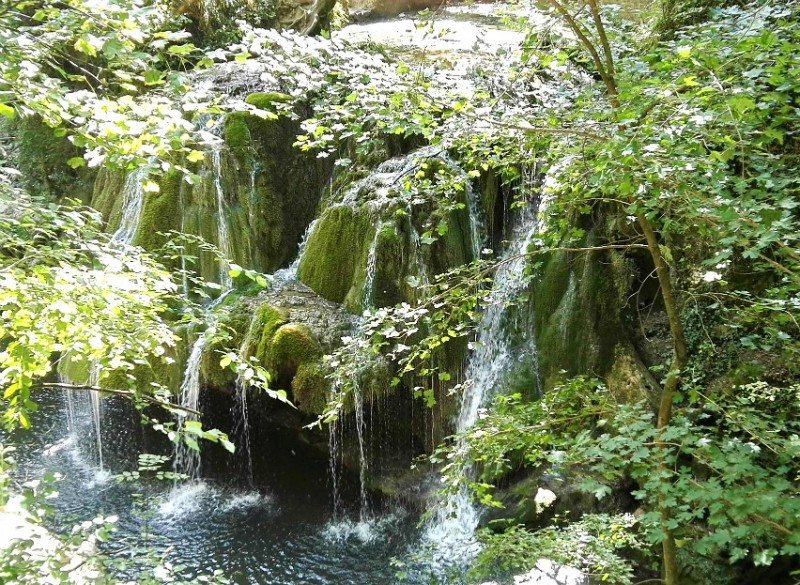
column 126, row 393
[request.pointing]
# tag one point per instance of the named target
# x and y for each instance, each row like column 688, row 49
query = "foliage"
column 69, row 289
column 725, row 466
column 594, row 544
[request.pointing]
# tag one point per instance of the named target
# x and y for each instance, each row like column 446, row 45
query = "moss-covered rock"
column 237, row 133
column 263, row 100
column 335, row 259
column 161, row 213
column 367, row 243
column 579, row 305
column 291, row 346
column 310, row 388
column 268, row 192
column 42, row 158
column 266, row 321
column 107, row 197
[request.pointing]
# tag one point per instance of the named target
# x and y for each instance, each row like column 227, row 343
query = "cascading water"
column 223, row 234
column 241, row 424
column 133, row 202
column 186, row 459
column 451, row 531
column 289, row 274
column 94, row 377
column 368, row 299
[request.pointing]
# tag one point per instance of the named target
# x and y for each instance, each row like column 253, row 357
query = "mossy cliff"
column 580, row 308
column 270, row 192
column 366, row 243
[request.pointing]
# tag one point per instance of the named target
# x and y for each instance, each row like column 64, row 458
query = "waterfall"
column 475, row 220
column 223, row 234
column 69, row 402
column 133, row 201
column 451, row 531
column 241, row 424
column 369, row 280
column 289, row 274
column 187, row 460
column 358, row 403
column 334, row 456
column 94, row 377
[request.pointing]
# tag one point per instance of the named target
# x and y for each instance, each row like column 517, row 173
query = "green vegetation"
column 646, row 429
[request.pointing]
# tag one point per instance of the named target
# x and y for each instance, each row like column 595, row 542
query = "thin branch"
column 125, row 393
column 528, row 129
column 608, row 80
column 601, row 33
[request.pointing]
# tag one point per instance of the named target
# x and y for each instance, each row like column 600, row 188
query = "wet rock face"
column 370, row 240
column 291, row 329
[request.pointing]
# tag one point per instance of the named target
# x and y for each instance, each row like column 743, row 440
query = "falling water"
column 241, row 425
column 358, row 400
column 451, row 531
column 289, row 274
column 133, row 201
column 223, row 234
column 187, row 460
column 69, row 401
column 94, row 377
column 369, row 280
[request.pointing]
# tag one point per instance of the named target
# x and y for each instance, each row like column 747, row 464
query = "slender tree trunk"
column 670, row 550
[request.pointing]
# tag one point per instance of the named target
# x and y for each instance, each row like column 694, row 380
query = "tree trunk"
column 670, row 550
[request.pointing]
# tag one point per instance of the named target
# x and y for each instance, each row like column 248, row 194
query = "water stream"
column 495, row 354
column 132, row 204
column 223, row 233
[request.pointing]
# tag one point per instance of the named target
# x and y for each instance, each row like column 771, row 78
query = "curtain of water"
column 223, row 234
column 451, row 530
column 133, row 202
column 241, row 426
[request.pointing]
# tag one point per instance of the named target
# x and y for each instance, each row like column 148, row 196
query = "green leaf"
column 76, row 162
column 195, row 156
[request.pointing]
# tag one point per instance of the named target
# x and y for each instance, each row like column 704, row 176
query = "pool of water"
column 278, row 528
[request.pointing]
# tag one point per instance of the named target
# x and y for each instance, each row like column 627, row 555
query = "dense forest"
column 400, row 291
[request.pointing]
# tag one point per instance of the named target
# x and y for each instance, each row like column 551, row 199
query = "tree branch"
column 605, row 75
column 125, row 393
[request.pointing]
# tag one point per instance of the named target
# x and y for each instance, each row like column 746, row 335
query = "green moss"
column 310, row 388
column 161, row 213
column 75, row 371
column 106, row 199
column 292, row 345
column 237, row 133
column 263, row 100
column 266, row 321
column 336, row 256
column 43, row 160
column 142, row 376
